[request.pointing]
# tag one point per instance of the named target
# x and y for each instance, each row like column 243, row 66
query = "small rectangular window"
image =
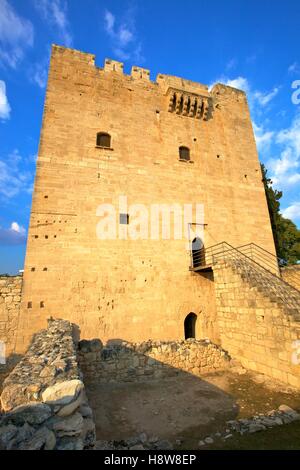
column 124, row 219
column 103, row 140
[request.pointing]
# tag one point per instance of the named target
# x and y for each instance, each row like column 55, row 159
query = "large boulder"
column 66, row 396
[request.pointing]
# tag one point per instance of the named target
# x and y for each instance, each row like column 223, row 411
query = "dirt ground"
column 183, row 407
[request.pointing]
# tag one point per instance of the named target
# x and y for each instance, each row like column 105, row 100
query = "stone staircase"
column 261, row 270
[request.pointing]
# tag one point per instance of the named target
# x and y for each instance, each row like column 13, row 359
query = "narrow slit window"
column 184, row 154
column 124, row 219
column 103, row 140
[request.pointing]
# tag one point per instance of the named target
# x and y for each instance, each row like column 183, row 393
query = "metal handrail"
column 268, row 260
column 252, row 270
column 263, row 257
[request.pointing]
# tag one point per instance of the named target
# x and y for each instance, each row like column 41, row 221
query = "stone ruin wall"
column 255, row 329
column 10, row 298
column 44, row 405
column 130, row 362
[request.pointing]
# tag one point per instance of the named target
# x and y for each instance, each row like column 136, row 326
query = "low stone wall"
column 10, row 299
column 128, row 362
column 44, row 400
column 291, row 274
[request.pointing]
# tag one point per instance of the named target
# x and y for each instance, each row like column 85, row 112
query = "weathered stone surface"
column 24, row 433
column 7, row 433
column 86, row 411
column 287, row 409
column 152, row 359
column 10, row 301
column 70, row 444
column 88, row 433
column 264, row 315
column 137, row 447
column 32, row 413
column 43, row 439
column 68, row 426
column 13, row 395
column 66, row 395
column 103, row 445
column 208, row 440
column 255, row 427
column 164, row 445
column 48, row 372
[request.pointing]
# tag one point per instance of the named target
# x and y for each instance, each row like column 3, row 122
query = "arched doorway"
column 190, row 325
column 198, row 253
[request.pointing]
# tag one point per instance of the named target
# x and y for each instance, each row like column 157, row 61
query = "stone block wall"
column 291, row 274
column 255, row 329
column 10, row 301
column 127, row 362
column 44, row 406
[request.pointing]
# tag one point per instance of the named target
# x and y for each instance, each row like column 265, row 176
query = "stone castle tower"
column 106, row 134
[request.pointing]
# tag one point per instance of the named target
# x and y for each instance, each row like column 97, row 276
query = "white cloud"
column 291, row 136
column 264, row 138
column 54, row 12
column 4, row 104
column 16, row 33
column 286, row 168
column 255, row 97
column 15, row 177
column 284, row 163
column 294, row 68
column 231, row 64
column 15, row 235
column 251, row 59
column 123, row 37
column 17, row 228
column 109, row 20
column 258, row 102
column 241, row 83
column 264, row 98
column 292, row 211
column 38, row 73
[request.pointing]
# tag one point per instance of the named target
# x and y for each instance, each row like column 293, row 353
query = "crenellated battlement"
column 113, row 66
column 140, row 73
column 191, row 95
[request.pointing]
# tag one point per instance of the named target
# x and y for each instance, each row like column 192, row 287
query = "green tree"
column 285, row 232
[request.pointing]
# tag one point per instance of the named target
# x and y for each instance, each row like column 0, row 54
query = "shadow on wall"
column 5, row 369
column 156, row 388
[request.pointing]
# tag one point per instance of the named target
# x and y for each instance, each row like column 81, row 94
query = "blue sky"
column 253, row 45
